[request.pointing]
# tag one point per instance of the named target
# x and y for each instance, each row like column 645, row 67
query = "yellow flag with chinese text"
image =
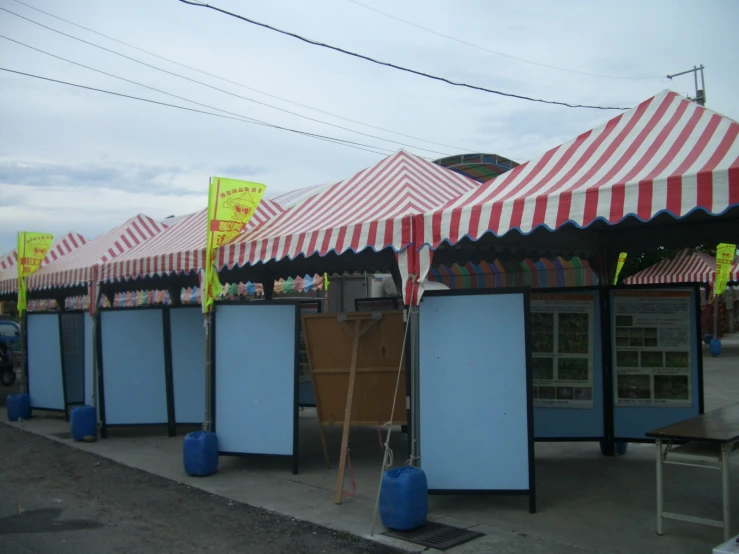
column 725, row 254
column 32, row 249
column 231, row 204
column 619, row 266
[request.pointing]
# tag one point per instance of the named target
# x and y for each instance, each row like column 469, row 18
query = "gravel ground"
column 56, row 499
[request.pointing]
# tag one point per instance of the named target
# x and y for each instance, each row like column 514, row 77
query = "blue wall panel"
column 255, row 378
column 45, row 380
column 89, row 365
column 73, row 346
column 552, row 423
column 133, row 367
column 188, row 364
column 634, row 422
column 473, row 392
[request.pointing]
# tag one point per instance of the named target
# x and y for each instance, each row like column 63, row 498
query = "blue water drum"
column 19, row 407
column 200, row 453
column 715, row 347
column 404, row 498
column 83, row 422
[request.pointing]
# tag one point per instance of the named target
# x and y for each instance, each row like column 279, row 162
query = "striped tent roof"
column 686, row 267
column 61, row 247
column 179, row 249
column 368, row 210
column 80, row 266
column 667, row 154
column 295, row 197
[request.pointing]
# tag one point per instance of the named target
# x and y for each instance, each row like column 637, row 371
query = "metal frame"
column 168, row 382
column 695, row 289
column 722, row 451
column 531, row 491
column 296, row 377
column 396, row 301
column 65, row 410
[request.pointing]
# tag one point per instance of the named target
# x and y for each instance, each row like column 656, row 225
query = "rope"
column 348, row 494
column 387, row 459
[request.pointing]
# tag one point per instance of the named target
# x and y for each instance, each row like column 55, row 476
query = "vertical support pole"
column 348, row 412
column 415, row 437
column 208, row 416
column 169, row 371
column 23, row 324
column 715, row 313
column 725, row 448
column 658, row 442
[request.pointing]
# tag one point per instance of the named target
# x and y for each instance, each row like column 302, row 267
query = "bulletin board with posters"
column 656, row 357
column 567, row 366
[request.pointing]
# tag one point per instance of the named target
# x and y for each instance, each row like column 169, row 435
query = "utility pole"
column 700, row 93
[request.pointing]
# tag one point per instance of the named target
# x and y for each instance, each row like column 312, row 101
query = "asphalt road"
column 56, row 499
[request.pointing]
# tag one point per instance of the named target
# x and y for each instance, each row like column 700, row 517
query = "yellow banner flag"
column 32, row 249
column 725, row 254
column 619, row 266
column 231, row 204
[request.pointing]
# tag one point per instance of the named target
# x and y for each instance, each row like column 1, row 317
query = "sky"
column 78, row 160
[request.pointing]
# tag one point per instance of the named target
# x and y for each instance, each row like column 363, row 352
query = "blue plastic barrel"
column 715, row 347
column 19, row 407
column 404, row 498
column 200, row 453
column 83, row 422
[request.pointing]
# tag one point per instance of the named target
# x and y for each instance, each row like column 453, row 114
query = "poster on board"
column 562, row 351
column 652, row 348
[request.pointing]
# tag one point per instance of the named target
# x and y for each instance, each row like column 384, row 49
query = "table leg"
column 659, row 486
column 725, row 448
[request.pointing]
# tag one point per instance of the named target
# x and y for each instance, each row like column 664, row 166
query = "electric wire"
column 241, row 85
column 395, row 66
column 496, row 52
column 223, row 90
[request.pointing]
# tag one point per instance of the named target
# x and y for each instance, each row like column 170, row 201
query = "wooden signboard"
column 354, row 362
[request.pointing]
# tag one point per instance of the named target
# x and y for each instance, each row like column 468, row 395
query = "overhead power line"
column 496, row 52
column 394, row 66
column 357, row 145
column 241, row 85
column 220, row 89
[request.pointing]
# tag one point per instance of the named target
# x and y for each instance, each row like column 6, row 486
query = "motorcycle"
column 7, row 371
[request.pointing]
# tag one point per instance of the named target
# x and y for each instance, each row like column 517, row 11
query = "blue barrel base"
column 200, row 453
column 83, row 423
column 620, row 450
column 18, row 407
column 404, row 498
column 715, row 347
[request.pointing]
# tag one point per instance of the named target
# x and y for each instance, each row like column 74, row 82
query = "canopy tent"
column 179, row 249
column 79, row 268
column 686, row 267
column 543, row 273
column 667, row 159
column 371, row 211
column 293, row 198
column 62, row 246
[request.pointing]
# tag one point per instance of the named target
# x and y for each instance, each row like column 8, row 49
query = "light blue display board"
column 73, row 350
column 134, row 382
column 89, row 364
column 577, row 423
column 255, row 375
column 188, row 364
column 633, row 422
column 45, row 374
column 474, row 392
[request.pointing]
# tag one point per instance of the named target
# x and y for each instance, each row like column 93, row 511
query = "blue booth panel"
column 73, row 350
column 134, row 388
column 45, row 371
column 188, row 364
column 255, row 378
column 656, row 359
column 89, row 363
column 559, row 423
column 474, row 392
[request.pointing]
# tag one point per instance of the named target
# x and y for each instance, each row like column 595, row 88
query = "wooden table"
column 706, row 441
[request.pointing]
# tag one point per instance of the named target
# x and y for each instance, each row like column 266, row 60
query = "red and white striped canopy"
column 61, row 247
column 686, row 267
column 80, row 266
column 667, row 154
column 179, row 249
column 368, row 210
